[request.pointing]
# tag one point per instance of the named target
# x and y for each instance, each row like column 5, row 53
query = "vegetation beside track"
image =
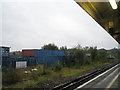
column 80, row 61
column 44, row 74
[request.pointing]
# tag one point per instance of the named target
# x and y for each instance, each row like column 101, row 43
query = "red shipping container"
column 28, row 53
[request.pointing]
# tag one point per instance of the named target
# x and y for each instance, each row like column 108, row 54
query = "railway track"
column 81, row 80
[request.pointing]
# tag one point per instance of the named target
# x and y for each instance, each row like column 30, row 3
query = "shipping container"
column 14, row 60
column 50, row 60
column 39, row 53
column 39, row 60
column 28, row 53
column 30, row 61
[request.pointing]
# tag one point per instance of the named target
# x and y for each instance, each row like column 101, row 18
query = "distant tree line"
column 81, row 56
column 52, row 46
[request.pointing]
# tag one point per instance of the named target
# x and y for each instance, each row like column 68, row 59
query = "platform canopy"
column 105, row 14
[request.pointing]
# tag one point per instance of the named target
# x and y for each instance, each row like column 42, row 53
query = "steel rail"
column 81, row 80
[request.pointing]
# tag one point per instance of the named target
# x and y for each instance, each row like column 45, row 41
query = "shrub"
column 44, row 71
column 57, row 66
column 77, row 57
column 34, row 75
column 11, row 76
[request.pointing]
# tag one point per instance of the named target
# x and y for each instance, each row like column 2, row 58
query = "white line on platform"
column 111, row 83
column 95, row 78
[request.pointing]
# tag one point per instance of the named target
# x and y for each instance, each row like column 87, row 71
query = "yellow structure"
column 103, row 12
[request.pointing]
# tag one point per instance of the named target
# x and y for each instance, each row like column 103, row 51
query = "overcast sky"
column 33, row 24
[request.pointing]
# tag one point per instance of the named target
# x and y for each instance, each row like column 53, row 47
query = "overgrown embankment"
column 46, row 76
column 77, row 63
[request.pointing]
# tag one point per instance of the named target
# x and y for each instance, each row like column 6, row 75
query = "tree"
column 101, row 54
column 75, row 58
column 16, row 54
column 63, row 48
column 78, row 46
column 50, row 47
column 93, row 51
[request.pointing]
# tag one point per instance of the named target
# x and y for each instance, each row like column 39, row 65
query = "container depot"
column 41, row 52
column 31, row 57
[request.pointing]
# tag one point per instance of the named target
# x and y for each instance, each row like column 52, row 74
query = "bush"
column 44, row 72
column 77, row 57
column 34, row 76
column 11, row 76
column 57, row 66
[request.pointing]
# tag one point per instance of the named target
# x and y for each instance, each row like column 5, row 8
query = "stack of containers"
column 49, row 57
column 45, row 57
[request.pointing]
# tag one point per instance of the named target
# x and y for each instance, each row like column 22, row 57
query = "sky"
column 26, row 25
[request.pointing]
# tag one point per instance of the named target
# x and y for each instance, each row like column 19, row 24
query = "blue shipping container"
column 49, row 60
column 39, row 53
column 12, row 61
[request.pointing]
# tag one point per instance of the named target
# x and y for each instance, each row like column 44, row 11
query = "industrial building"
column 4, row 51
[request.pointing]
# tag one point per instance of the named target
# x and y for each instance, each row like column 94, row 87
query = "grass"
column 47, row 74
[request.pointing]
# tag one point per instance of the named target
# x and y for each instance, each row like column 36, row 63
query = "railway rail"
column 81, row 80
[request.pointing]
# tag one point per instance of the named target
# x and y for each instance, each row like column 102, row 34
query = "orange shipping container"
column 28, row 53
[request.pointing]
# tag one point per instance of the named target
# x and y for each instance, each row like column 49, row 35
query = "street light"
column 113, row 4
